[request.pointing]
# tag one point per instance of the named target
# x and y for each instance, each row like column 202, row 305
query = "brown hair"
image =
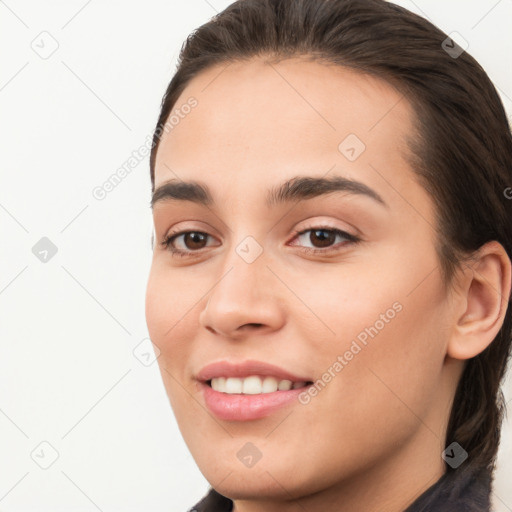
column 461, row 151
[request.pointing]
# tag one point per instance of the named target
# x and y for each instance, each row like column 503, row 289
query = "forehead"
column 255, row 119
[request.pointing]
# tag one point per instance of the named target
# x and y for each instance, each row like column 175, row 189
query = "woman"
column 330, row 284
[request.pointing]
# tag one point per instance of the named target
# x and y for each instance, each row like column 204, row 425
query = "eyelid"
column 319, row 224
column 178, row 229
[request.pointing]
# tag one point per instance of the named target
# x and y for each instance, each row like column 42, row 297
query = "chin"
column 259, row 486
column 272, row 479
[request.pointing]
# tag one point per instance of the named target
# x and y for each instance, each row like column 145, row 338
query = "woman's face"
column 364, row 317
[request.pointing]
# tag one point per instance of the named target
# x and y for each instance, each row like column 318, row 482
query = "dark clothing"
column 465, row 489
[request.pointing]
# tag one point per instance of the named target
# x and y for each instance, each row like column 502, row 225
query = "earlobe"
column 484, row 297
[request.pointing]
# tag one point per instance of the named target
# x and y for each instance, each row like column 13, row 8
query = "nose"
column 245, row 298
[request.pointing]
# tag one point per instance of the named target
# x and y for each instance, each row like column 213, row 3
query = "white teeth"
column 285, row 385
column 270, row 384
column 253, row 385
column 219, row 383
column 232, row 385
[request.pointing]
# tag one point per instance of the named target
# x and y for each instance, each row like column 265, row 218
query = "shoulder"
column 466, row 489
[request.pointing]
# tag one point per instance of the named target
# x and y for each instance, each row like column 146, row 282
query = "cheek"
column 171, row 322
column 392, row 350
column 170, row 315
column 377, row 347
column 387, row 310
column 339, row 305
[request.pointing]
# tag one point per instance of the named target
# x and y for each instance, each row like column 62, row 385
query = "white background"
column 68, row 327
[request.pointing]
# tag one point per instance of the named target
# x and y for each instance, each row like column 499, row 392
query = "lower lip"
column 241, row 407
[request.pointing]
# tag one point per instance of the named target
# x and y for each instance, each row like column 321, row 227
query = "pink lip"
column 240, row 407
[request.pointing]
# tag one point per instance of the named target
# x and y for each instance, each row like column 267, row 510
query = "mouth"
column 249, row 390
column 254, row 384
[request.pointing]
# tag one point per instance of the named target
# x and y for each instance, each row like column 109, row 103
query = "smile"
column 248, row 390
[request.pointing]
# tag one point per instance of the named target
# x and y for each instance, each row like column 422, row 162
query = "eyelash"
column 351, row 240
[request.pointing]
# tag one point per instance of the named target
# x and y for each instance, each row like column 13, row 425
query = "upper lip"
column 246, row 369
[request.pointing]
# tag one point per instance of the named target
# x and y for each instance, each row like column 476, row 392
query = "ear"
column 481, row 302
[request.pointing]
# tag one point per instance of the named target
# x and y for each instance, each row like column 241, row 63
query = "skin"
column 372, row 438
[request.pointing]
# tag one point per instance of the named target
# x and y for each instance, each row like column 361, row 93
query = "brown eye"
column 322, row 237
column 186, row 243
column 194, row 240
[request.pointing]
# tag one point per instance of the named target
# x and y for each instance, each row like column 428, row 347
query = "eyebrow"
column 295, row 189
